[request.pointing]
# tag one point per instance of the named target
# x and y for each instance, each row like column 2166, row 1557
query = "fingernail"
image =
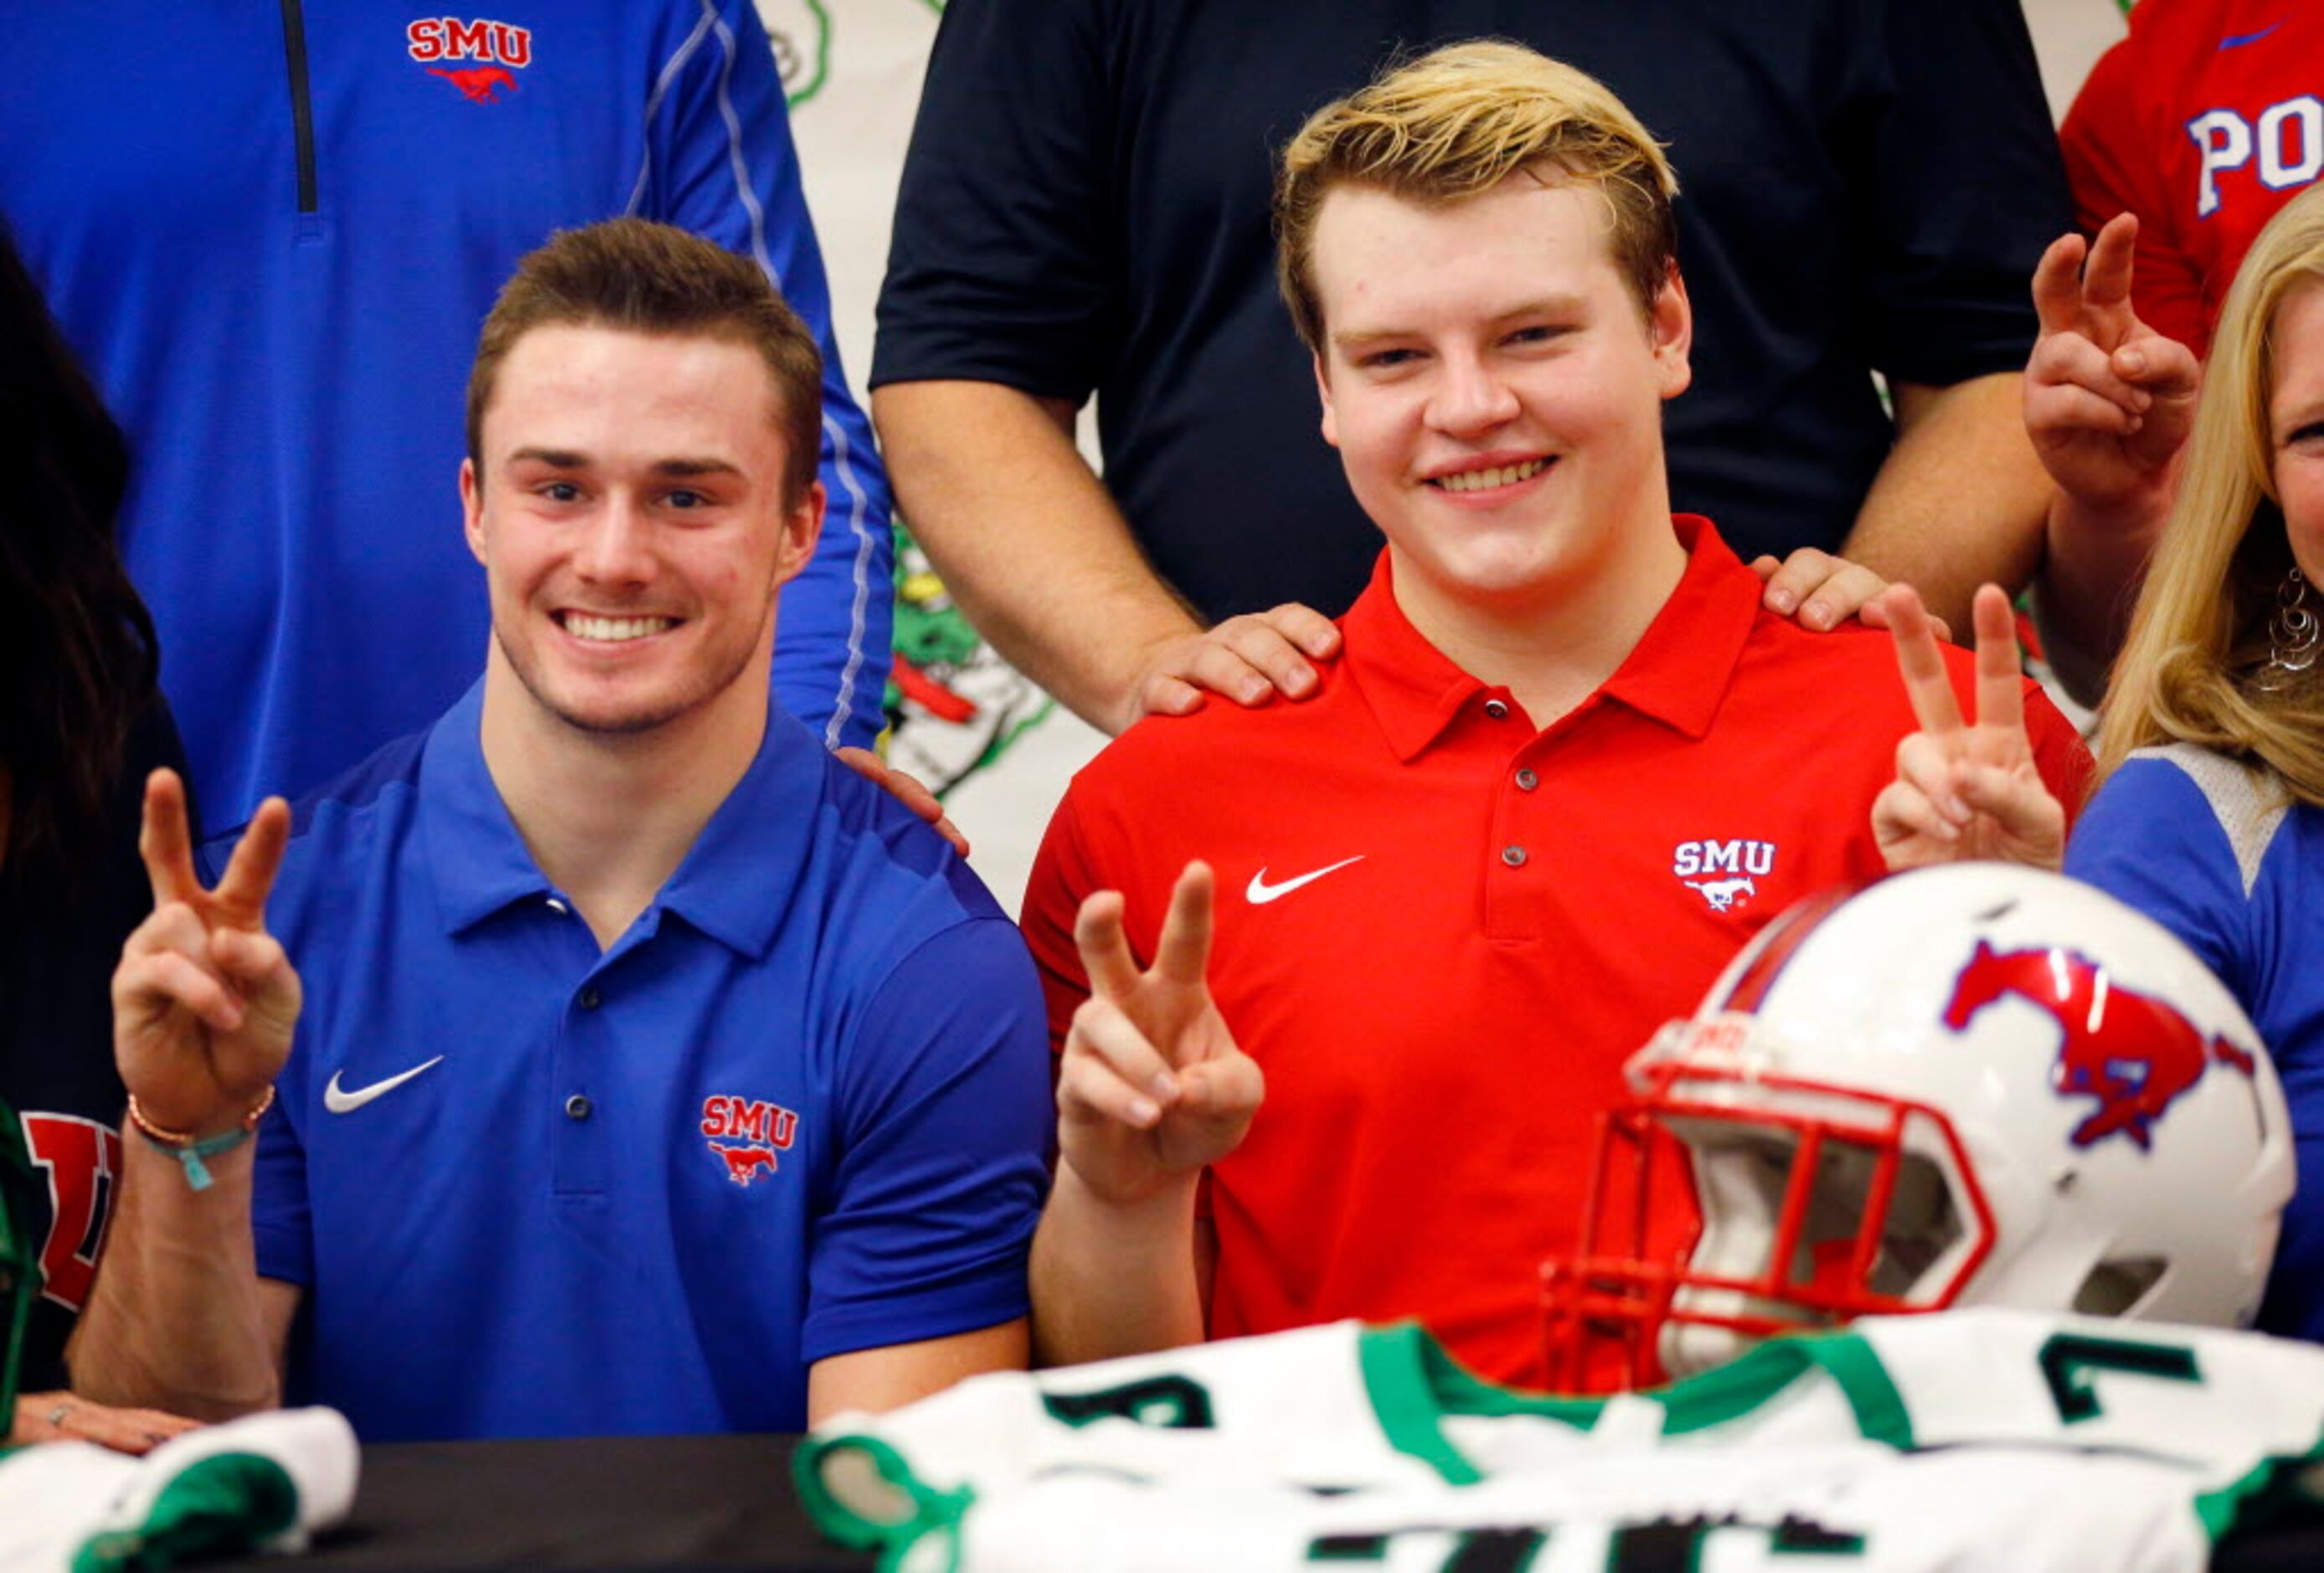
column 1163, row 1086
column 1817, row 615
column 1955, row 810
column 1143, row 1113
column 2134, row 361
column 1783, row 601
column 1298, row 682
column 1251, row 691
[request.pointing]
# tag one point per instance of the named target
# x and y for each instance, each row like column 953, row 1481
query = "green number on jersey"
column 2068, row 1358
column 1175, row 1403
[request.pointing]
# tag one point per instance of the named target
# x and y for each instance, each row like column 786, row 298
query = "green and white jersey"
column 264, row 1482
column 1346, row 1410
column 1856, row 1507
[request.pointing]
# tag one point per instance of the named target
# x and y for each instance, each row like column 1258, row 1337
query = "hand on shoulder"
column 1250, row 658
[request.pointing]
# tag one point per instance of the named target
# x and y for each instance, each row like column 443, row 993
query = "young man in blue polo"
column 655, row 1072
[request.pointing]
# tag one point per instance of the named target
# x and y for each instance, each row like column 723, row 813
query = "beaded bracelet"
column 189, row 1150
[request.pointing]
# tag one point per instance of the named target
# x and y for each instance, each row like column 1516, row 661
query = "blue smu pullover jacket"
column 273, row 230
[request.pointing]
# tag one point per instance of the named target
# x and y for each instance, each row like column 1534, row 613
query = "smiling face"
column 2295, row 412
column 630, row 517
column 1496, row 392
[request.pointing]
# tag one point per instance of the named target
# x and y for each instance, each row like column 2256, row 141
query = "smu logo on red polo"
column 500, row 49
column 80, row 1158
column 757, row 1133
column 1729, row 869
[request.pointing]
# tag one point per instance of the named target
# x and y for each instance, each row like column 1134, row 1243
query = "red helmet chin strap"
column 1606, row 1307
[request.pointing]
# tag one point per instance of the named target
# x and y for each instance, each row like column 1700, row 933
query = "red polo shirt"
column 1441, row 932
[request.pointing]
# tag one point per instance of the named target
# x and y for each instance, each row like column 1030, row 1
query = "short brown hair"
column 644, row 277
column 1457, row 122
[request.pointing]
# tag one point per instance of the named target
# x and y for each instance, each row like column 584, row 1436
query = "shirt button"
column 577, row 1107
column 1498, row 709
column 590, row 999
column 1527, row 780
column 559, row 908
column 1514, row 856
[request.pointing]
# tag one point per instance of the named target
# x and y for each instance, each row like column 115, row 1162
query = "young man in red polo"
column 1564, row 766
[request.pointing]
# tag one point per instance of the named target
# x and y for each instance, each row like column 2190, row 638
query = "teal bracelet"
column 188, row 1151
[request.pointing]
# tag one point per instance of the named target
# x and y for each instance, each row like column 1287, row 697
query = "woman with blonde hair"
column 2209, row 812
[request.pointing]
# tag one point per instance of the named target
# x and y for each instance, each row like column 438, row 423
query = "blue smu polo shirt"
column 799, row 1108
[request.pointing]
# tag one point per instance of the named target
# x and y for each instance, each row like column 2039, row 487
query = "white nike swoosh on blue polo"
column 340, row 1102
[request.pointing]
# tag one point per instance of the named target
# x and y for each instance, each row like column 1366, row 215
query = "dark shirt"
column 1866, row 183
column 58, row 947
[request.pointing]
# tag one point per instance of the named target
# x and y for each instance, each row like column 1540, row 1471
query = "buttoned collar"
column 1677, row 674
column 732, row 885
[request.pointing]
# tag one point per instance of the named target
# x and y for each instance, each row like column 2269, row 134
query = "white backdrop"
column 853, row 69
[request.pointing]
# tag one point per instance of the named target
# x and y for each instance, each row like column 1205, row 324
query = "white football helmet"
column 1972, row 1083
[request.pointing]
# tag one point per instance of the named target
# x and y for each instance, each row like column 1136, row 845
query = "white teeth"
column 1477, row 480
column 612, row 629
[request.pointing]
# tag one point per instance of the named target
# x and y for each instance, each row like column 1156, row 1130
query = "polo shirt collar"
column 736, row 879
column 479, row 862
column 730, row 886
column 1677, row 674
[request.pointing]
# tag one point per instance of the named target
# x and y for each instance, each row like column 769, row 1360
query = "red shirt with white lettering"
column 1440, row 932
column 2204, row 121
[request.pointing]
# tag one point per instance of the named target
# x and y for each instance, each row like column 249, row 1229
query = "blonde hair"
column 643, row 277
column 1457, row 122
column 2200, row 631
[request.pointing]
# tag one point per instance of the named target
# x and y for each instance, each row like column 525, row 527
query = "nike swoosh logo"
column 2237, row 40
column 1260, row 892
column 341, row 1102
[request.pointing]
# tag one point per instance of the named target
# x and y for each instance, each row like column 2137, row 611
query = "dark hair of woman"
column 78, row 654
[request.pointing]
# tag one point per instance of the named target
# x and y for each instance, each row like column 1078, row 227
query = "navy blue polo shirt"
column 799, row 1108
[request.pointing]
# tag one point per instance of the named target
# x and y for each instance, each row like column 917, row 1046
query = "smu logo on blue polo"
column 756, row 1134
column 1723, row 873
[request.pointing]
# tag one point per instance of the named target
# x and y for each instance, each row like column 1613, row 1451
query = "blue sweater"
column 273, row 232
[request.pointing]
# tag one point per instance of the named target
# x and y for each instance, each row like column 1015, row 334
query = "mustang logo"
column 2132, row 1052
column 477, row 82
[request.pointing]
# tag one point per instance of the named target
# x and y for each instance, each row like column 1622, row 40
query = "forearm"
column 1113, row 1278
column 175, row 1320
column 2091, row 577
column 1959, row 500
column 1027, row 540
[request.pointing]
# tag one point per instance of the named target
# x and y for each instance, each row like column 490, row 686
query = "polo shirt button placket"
column 581, row 1058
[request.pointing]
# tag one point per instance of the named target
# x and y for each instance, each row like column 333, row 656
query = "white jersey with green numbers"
column 263, row 1483
column 1853, row 1507
column 1334, row 1412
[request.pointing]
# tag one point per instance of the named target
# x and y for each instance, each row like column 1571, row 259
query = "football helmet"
column 1971, row 1084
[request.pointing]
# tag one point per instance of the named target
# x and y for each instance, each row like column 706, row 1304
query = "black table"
column 608, row 1503
column 717, row 1505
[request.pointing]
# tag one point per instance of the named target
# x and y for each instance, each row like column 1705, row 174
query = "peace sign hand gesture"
column 1152, row 1087
column 2108, row 400
column 205, row 1000
column 1970, row 791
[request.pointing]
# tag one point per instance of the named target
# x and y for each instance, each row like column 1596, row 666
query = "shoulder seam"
column 2248, row 806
